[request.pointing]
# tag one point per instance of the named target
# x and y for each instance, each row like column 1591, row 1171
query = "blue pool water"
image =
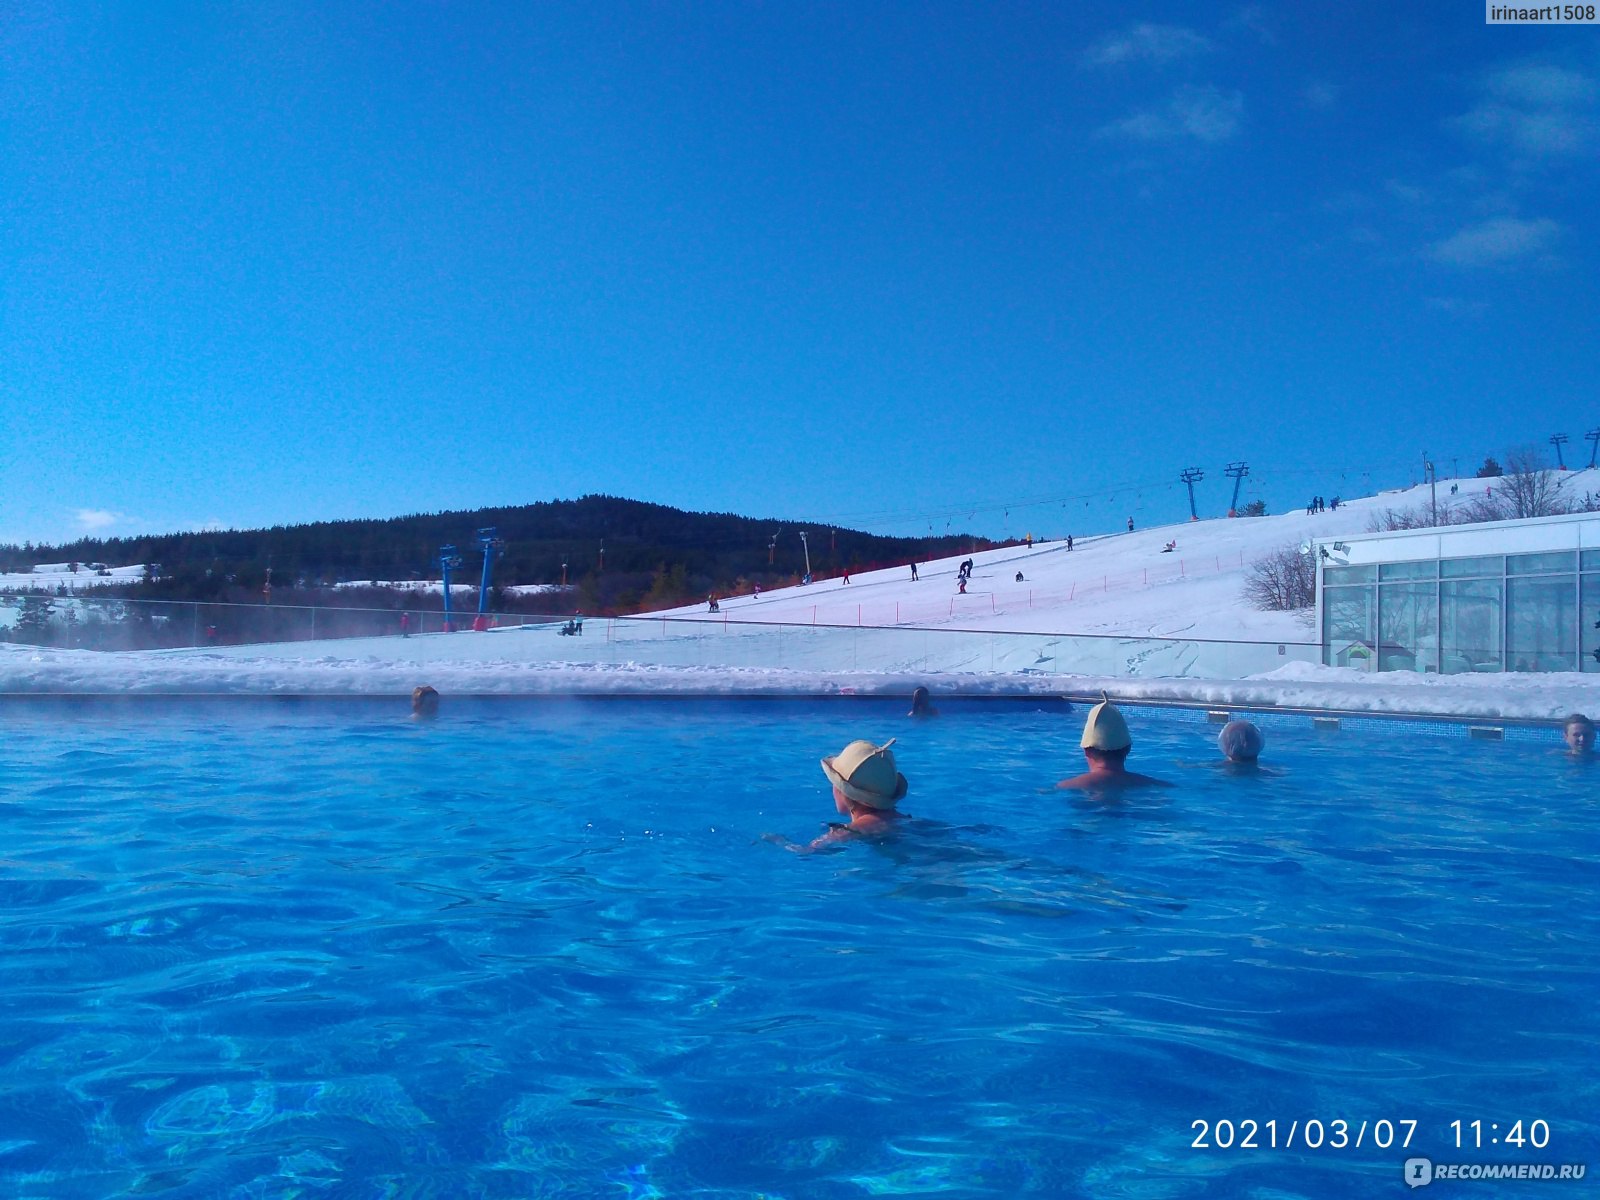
column 539, row 950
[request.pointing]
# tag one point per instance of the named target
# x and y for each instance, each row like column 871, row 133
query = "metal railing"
column 419, row 637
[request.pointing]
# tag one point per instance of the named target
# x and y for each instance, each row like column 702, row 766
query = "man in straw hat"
column 1105, row 745
column 866, row 788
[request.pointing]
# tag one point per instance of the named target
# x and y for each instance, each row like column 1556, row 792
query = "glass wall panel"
column 1542, row 624
column 1338, row 576
column 1408, row 627
column 1541, row 564
column 1591, row 560
column 1410, row 570
column 1471, row 626
column 1349, row 626
column 1470, row 568
column 1589, row 624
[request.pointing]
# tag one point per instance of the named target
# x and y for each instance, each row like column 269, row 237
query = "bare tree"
column 1422, row 517
column 1390, row 519
column 1527, row 489
column 1283, row 581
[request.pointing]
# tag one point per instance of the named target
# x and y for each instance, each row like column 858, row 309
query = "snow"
column 1078, row 621
column 58, row 575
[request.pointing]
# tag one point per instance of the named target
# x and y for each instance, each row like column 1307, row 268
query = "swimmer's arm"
column 835, row 838
column 832, row 840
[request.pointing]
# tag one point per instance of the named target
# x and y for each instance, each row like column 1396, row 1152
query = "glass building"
column 1501, row 596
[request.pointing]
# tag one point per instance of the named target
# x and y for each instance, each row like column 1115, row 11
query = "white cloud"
column 1407, row 192
column 1320, row 95
column 1534, row 84
column 93, row 520
column 1254, row 18
column 1148, row 42
column 1534, row 112
column 1456, row 306
column 1496, row 242
column 1206, row 114
column 1548, row 133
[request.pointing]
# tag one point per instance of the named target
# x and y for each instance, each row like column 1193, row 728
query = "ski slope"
column 1115, row 612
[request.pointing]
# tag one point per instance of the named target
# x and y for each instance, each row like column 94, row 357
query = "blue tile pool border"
column 1328, row 721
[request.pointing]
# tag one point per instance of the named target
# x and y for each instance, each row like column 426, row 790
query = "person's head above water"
column 1240, row 742
column 922, row 704
column 1105, row 744
column 1105, row 733
column 424, row 701
column 865, row 775
column 1579, row 732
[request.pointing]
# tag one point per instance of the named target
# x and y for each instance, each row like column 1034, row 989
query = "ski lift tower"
column 1556, row 439
column 1593, row 436
column 1192, row 476
column 493, row 546
column 449, row 560
column 807, row 546
column 1236, row 472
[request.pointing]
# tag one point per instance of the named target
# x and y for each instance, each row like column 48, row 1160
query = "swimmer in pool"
column 1105, row 744
column 1240, row 743
column 424, row 703
column 922, row 704
column 866, row 788
column 1579, row 733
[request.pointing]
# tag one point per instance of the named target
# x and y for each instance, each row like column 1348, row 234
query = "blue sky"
column 1002, row 268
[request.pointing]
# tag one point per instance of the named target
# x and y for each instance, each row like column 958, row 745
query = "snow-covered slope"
column 883, row 632
column 1118, row 583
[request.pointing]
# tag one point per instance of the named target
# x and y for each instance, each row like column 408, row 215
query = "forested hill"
column 701, row 550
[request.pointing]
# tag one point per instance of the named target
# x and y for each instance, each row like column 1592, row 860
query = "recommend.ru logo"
column 1419, row 1172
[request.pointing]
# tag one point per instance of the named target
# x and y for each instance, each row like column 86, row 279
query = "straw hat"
column 866, row 774
column 1105, row 729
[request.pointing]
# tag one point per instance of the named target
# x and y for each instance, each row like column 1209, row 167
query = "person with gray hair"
column 1240, row 742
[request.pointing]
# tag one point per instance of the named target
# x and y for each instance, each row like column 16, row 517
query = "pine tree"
column 33, row 622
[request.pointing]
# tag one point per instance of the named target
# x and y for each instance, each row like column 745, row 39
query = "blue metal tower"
column 1236, row 472
column 492, row 546
column 1192, row 476
column 449, row 560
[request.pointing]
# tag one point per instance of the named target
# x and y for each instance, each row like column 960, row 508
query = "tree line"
column 618, row 555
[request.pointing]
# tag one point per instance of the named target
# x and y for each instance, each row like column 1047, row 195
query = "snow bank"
column 320, row 669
